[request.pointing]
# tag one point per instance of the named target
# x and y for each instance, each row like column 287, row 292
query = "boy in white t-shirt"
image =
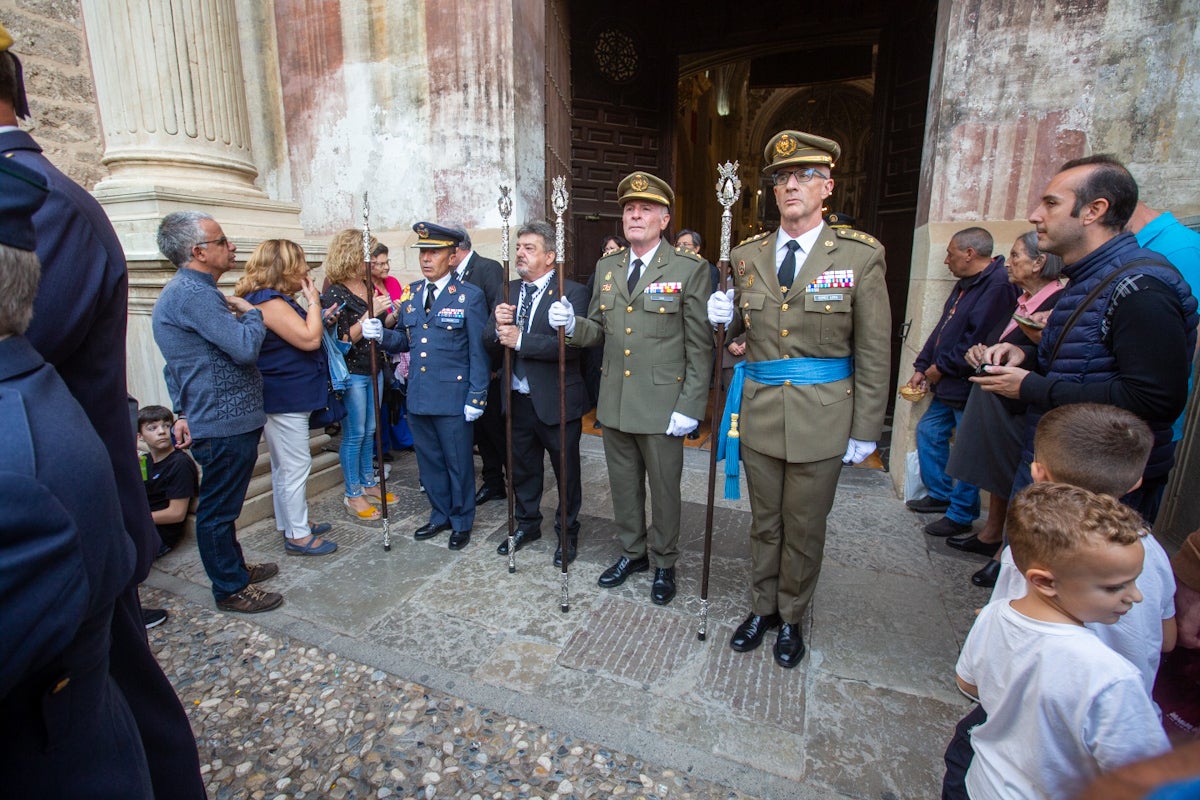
column 1061, row 706
column 1104, row 449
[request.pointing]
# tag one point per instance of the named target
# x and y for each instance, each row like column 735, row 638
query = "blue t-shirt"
column 293, row 379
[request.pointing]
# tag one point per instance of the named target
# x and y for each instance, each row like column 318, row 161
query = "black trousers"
column 489, row 438
column 531, row 440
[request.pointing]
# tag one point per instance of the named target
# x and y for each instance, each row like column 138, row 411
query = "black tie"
column 527, row 291
column 787, row 270
column 634, row 275
column 428, row 297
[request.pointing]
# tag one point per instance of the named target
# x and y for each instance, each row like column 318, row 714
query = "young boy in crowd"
column 1103, row 449
column 1061, row 705
column 172, row 480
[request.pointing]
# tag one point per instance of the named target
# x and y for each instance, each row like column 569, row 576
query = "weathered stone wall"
column 1019, row 88
column 48, row 38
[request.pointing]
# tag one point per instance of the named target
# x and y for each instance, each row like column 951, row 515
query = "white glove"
column 472, row 413
column 856, row 451
column 720, row 308
column 372, row 329
column 681, row 425
column 562, row 315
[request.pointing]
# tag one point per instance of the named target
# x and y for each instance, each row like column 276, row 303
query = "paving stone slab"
column 751, row 685
column 872, row 741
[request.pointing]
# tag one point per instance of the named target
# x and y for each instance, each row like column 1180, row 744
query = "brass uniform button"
column 425, row 326
column 828, row 307
column 423, row 355
column 787, row 383
column 783, row 307
column 783, row 332
column 662, row 310
column 627, row 351
column 603, row 307
column 628, row 331
column 459, row 378
column 62, row 684
column 422, row 369
column 627, row 373
column 628, row 309
column 679, row 379
column 847, row 391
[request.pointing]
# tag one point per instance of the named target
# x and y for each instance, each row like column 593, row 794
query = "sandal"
column 374, row 498
column 371, row 513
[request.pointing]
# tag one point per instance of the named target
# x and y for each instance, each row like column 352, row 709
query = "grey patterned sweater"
column 211, row 356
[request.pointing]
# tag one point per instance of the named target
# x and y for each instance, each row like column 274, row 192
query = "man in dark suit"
column 441, row 324
column 79, row 328
column 66, row 729
column 488, row 275
column 521, row 325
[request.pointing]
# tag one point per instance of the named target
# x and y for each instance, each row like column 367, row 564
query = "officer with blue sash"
column 811, row 393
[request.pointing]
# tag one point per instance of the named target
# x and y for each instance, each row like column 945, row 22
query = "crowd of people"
column 1070, row 366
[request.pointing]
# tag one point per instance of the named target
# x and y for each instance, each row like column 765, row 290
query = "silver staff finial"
column 505, row 204
column 558, row 200
column 366, row 237
column 729, row 189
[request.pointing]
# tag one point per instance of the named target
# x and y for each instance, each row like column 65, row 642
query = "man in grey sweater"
column 210, row 342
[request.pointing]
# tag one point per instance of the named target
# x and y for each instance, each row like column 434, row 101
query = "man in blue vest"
column 1123, row 331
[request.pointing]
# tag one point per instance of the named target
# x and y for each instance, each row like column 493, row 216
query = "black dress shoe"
column 663, row 588
column 986, row 577
column 489, row 493
column 459, row 540
column 928, row 505
column 750, row 633
column 971, row 543
column 429, row 530
column 789, row 646
column 618, row 572
column 520, row 539
column 572, row 551
column 946, row 527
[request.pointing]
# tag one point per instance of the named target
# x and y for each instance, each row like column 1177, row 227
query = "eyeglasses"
column 223, row 241
column 801, row 175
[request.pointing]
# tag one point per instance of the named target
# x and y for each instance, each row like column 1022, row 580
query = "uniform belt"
column 796, row 371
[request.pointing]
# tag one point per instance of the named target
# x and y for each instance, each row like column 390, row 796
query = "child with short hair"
column 1104, row 449
column 1061, row 706
column 172, row 480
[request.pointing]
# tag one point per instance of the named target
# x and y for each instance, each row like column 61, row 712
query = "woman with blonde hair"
column 295, row 382
column 348, row 291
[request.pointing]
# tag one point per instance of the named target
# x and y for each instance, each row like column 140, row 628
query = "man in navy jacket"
column 981, row 298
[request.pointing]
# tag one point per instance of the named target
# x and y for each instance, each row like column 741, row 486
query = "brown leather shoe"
column 251, row 600
column 262, row 572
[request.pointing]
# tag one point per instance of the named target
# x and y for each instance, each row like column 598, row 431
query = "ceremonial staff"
column 373, row 349
column 558, row 199
column 729, row 188
column 505, row 204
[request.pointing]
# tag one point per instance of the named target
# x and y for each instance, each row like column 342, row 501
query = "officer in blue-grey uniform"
column 441, row 324
column 65, row 727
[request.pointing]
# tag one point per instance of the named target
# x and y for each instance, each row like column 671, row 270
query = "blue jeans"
column 227, row 463
column 358, row 430
column 933, row 450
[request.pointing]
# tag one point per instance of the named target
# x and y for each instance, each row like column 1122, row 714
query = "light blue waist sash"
column 801, row 371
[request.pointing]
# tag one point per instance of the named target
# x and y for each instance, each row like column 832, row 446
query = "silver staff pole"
column 558, row 200
column 729, row 189
column 505, row 204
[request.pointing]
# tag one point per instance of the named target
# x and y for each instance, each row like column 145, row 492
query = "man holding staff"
column 813, row 306
column 521, row 325
column 647, row 308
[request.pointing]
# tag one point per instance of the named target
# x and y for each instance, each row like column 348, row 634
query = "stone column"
column 171, row 96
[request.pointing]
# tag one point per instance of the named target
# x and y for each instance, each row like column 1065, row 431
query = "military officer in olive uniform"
column 648, row 309
column 813, row 306
column 441, row 324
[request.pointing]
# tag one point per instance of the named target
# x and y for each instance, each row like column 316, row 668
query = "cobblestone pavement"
column 277, row 719
column 424, row 672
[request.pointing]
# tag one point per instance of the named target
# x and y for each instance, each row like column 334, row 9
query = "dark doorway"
column 676, row 89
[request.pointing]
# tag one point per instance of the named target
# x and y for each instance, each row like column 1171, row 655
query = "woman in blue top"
column 295, row 382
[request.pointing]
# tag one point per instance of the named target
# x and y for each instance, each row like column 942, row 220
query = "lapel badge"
column 462, row 300
column 607, row 287
column 452, row 288
column 608, row 276
column 829, row 244
column 749, row 281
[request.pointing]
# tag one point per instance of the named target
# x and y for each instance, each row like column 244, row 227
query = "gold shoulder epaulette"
column 689, row 254
column 858, row 236
column 616, row 252
column 754, row 238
